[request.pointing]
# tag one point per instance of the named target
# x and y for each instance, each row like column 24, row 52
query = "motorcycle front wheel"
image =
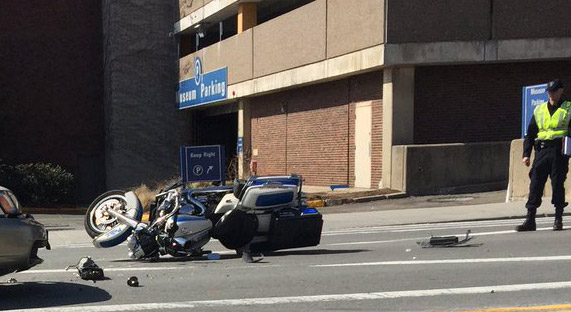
column 97, row 221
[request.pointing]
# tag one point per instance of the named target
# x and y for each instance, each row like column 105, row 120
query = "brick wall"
column 352, row 118
column 318, row 133
column 310, row 130
column 377, row 145
column 268, row 126
column 476, row 103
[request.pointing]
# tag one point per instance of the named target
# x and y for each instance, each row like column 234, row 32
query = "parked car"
column 20, row 236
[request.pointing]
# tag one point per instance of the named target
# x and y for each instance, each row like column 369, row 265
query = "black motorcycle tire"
column 89, row 228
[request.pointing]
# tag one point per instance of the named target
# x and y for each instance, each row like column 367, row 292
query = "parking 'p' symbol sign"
column 198, row 170
column 197, row 71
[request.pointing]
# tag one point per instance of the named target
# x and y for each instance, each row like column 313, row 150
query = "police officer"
column 546, row 130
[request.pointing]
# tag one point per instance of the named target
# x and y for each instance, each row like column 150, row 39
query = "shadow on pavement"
column 48, row 294
column 313, row 252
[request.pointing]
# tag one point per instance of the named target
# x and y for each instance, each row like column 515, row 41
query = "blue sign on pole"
column 531, row 97
column 240, row 145
column 202, row 163
column 203, row 88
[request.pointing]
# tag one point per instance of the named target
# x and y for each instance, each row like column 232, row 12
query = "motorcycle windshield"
column 283, row 180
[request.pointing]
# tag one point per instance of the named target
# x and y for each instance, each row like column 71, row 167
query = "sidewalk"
column 398, row 213
column 321, row 196
column 434, row 214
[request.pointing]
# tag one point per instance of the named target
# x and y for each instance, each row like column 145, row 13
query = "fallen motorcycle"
column 258, row 215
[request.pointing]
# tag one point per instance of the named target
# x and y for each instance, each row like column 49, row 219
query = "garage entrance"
column 215, row 128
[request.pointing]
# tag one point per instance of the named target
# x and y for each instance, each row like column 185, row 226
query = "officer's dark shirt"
column 532, row 130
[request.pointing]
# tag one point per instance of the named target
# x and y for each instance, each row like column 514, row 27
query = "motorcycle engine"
column 142, row 245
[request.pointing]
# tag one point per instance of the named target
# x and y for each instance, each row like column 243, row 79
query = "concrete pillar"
column 398, row 118
column 143, row 128
column 244, row 134
column 247, row 16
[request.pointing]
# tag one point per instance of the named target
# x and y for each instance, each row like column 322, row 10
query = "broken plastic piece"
column 444, row 240
column 213, row 256
column 88, row 270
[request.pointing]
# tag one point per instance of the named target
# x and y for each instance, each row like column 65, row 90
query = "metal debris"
column 12, row 281
column 247, row 257
column 133, row 281
column 448, row 241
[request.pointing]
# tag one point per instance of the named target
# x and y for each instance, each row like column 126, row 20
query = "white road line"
column 311, row 299
column 449, row 261
column 376, row 242
column 423, row 238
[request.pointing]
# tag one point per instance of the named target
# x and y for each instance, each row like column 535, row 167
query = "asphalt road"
column 361, row 268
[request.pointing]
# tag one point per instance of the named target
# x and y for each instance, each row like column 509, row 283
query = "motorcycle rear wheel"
column 94, row 223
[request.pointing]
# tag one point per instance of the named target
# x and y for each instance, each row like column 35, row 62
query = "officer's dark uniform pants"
column 548, row 162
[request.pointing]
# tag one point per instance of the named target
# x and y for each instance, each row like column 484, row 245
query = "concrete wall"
column 519, row 175
column 437, row 20
column 450, row 168
column 473, row 20
column 517, row 19
column 353, row 27
column 188, row 6
column 291, row 40
column 143, row 127
column 320, row 30
column 186, row 65
column 476, row 103
column 234, row 52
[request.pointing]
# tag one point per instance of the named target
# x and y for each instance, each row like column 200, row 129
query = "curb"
column 397, row 195
column 365, row 199
column 69, row 211
column 315, row 203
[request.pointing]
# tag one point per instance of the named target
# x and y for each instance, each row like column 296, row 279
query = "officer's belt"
column 548, row 143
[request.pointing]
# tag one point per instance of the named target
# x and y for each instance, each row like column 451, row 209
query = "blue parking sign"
column 531, row 97
column 202, row 163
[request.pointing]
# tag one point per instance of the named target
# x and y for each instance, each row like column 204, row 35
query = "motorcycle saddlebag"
column 235, row 229
column 291, row 229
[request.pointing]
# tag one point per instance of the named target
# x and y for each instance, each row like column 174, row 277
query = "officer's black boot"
column 558, row 224
column 529, row 223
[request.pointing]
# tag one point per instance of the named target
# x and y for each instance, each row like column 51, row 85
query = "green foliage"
column 38, row 184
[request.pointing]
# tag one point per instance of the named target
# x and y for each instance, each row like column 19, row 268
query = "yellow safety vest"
column 552, row 126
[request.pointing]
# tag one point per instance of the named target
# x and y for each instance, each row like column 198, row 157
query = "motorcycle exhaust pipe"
column 123, row 219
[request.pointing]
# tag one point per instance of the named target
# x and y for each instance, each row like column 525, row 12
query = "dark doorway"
column 218, row 130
